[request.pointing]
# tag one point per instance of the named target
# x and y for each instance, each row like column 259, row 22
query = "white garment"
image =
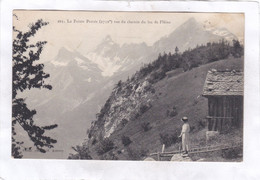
column 185, row 137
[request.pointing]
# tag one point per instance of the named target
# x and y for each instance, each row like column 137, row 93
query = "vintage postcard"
column 146, row 86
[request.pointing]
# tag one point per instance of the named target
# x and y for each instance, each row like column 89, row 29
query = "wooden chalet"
column 224, row 91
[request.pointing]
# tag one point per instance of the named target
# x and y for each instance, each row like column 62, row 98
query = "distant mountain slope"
column 71, row 76
column 182, row 92
column 113, row 59
column 189, row 35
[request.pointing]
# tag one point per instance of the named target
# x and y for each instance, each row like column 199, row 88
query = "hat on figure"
column 184, row 119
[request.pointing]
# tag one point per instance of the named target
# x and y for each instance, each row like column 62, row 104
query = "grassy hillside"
column 171, row 99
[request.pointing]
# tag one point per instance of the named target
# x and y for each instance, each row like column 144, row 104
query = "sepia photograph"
column 131, row 86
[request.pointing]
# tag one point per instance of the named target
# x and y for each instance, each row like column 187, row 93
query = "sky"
column 83, row 30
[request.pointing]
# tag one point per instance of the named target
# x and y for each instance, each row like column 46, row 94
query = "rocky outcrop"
column 179, row 157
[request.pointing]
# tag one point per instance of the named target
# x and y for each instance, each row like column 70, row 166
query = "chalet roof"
column 224, row 83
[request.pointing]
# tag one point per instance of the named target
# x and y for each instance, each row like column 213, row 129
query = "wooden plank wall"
column 226, row 107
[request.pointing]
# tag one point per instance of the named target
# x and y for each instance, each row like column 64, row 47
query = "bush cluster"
column 109, row 156
column 172, row 112
column 104, row 146
column 231, row 153
column 94, row 141
column 202, row 123
column 126, row 140
column 168, row 139
column 135, row 154
column 146, row 126
column 82, row 152
column 189, row 59
column 143, row 108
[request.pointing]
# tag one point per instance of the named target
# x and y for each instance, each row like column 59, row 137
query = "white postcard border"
column 92, row 169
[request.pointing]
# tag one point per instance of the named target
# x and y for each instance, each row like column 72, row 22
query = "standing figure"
column 185, row 134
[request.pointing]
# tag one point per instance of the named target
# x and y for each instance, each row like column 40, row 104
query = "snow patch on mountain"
column 90, row 97
column 107, row 65
column 69, row 49
column 57, row 63
column 222, row 32
column 79, row 60
column 88, row 79
column 112, row 58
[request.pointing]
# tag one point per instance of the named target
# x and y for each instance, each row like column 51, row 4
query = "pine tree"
column 28, row 74
column 82, row 152
column 176, row 50
column 237, row 49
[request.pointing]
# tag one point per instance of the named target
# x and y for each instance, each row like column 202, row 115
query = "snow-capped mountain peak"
column 112, row 58
column 225, row 33
column 64, row 56
column 190, row 34
column 107, row 47
column 106, row 64
column 68, row 56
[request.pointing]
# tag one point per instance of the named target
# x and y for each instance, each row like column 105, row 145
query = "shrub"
column 202, row 123
column 173, row 113
column 231, row 153
column 94, row 141
column 135, row 154
column 82, row 152
column 143, row 108
column 146, row 126
column 109, row 156
column 124, row 122
column 134, row 116
column 137, row 115
column 89, row 135
column 156, row 76
column 126, row 140
column 104, row 146
column 168, row 139
column 192, row 128
column 136, row 86
column 149, row 87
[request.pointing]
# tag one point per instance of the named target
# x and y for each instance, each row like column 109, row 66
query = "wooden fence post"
column 163, row 147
